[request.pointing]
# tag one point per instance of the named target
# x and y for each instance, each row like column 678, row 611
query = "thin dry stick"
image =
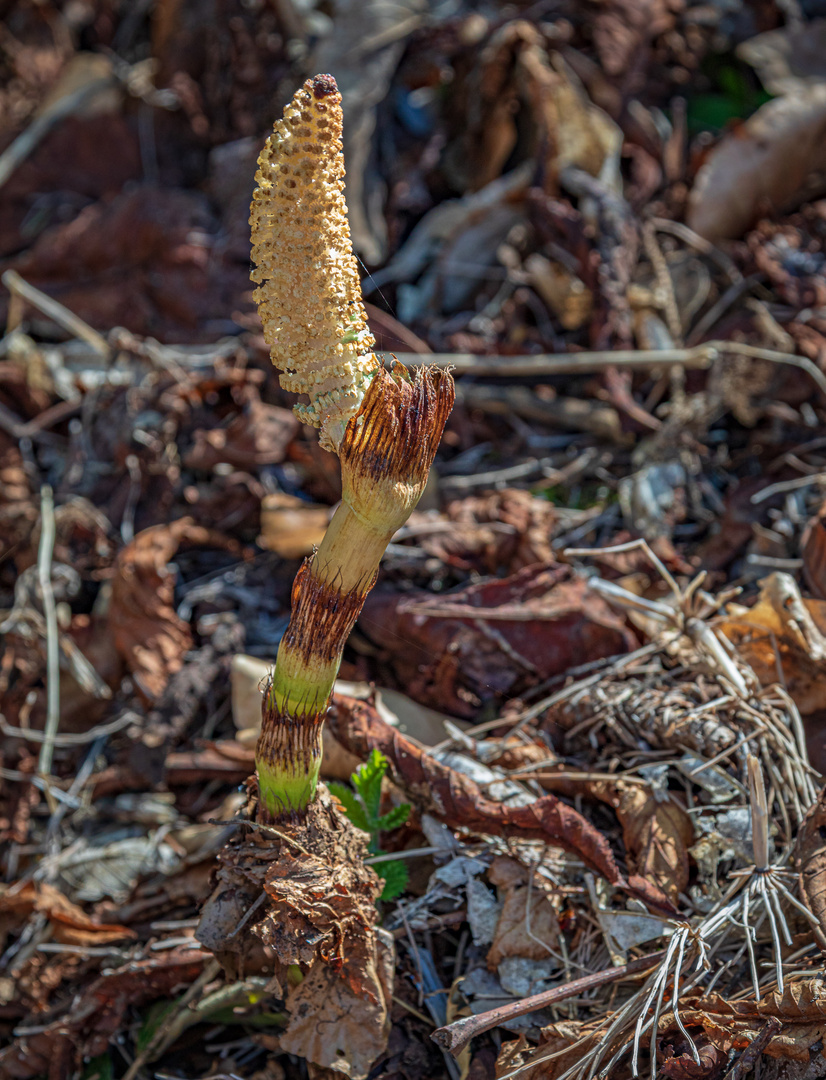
column 44, row 575
column 455, row 1037
column 70, row 322
column 79, row 739
column 585, row 363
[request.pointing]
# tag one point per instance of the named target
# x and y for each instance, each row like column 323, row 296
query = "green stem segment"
column 386, row 452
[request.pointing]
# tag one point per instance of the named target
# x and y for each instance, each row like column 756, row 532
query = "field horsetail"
column 384, row 425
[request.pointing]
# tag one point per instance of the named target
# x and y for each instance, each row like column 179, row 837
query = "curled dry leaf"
column 684, row 1067
column 257, row 436
column 563, row 1044
column 657, row 833
column 813, row 551
column 516, row 86
column 70, row 924
column 455, row 798
column 493, row 638
column 656, row 829
column 735, row 1024
column 761, row 166
column 524, row 904
column 147, row 631
column 522, row 525
column 786, row 628
column 811, row 860
column 333, row 1026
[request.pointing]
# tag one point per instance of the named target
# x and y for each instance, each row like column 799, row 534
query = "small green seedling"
column 362, row 808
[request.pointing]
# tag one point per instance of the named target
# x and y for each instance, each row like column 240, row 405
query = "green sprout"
column 362, row 808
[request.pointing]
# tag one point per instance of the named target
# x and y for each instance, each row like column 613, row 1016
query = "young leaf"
column 352, row 807
column 395, row 879
column 394, row 818
column 367, row 782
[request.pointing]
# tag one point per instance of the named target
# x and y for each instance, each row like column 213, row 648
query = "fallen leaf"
column 813, row 551
column 789, row 59
column 810, row 854
column 783, row 628
column 561, row 1047
column 70, row 924
column 527, row 925
column 801, row 1007
column 760, row 167
column 291, row 527
column 97, row 1013
column 451, row 796
column 517, row 85
column 656, row 830
column 336, row 1028
column 257, row 436
column 494, row 638
column 146, row 629
column 684, row 1067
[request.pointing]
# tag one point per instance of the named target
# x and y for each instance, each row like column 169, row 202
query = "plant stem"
column 386, row 452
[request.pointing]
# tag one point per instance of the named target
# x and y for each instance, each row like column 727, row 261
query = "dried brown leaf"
column 146, row 629
column 801, row 1007
column 97, row 1013
column 524, row 904
column 70, row 924
column 335, row 1027
column 811, row 859
column 257, row 436
column 455, row 798
column 782, row 638
column 762, row 165
column 562, row 1046
column 493, row 638
column 657, row 832
column 813, row 551
column 684, row 1067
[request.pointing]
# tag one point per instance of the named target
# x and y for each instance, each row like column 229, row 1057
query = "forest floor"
column 605, row 217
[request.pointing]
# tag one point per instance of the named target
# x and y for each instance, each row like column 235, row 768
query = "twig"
column 70, row 322
column 455, row 1037
column 699, row 243
column 747, row 1060
column 788, row 485
column 585, row 363
column 408, row 853
column 194, row 992
column 44, row 574
column 79, row 739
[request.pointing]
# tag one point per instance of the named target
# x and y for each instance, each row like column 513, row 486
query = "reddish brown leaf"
column 70, row 924
column 258, row 436
column 147, row 631
column 511, row 937
column 813, row 550
column 656, row 832
column 493, row 638
column 455, row 798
